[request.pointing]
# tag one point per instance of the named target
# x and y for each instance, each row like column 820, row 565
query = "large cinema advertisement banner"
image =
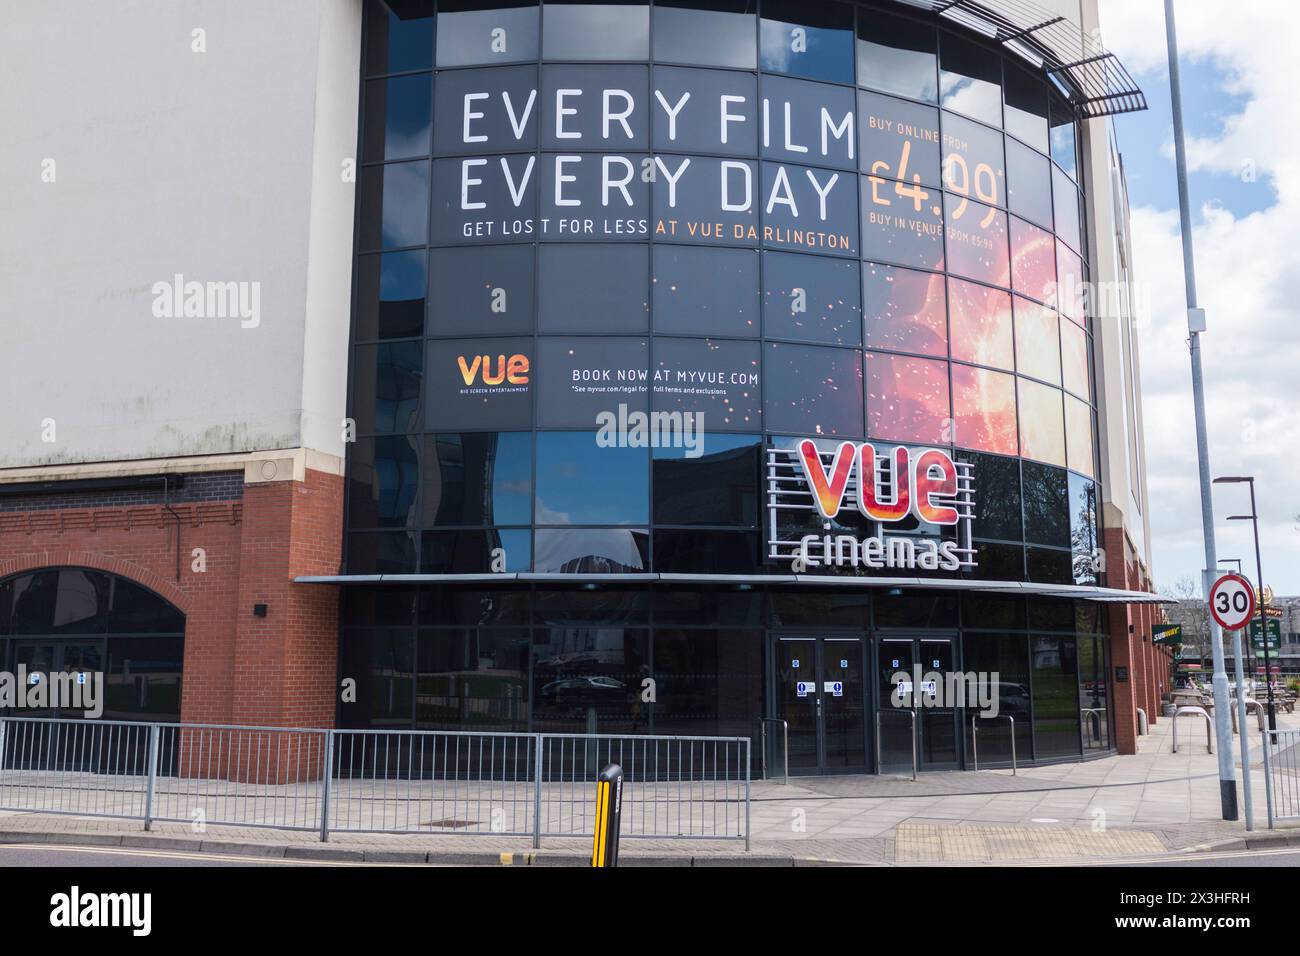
column 703, row 156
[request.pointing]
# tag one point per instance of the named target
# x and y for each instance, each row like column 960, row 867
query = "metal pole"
column 327, row 774
column 1237, row 656
column 1227, row 773
column 151, row 780
column 537, row 792
column 1263, row 621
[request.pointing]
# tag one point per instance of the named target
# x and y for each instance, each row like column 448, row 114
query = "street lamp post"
column 1195, row 326
column 1253, row 518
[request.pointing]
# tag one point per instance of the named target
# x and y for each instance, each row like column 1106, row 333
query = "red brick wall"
column 277, row 670
column 1129, row 628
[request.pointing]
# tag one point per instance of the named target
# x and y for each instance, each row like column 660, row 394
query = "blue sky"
column 1239, row 79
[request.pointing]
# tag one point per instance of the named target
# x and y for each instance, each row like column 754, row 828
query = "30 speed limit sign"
column 1232, row 602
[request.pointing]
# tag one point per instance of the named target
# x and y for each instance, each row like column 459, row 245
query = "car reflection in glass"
column 583, row 691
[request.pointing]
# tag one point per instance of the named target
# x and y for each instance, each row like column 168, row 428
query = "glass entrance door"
column 821, row 693
column 914, row 676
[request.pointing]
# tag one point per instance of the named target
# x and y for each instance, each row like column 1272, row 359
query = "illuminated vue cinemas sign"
column 621, row 157
column 857, row 483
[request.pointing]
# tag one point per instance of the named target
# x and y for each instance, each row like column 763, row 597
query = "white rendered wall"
column 130, row 157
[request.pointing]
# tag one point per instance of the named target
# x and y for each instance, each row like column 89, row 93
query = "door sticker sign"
column 904, row 687
column 843, row 663
column 795, row 662
column 835, row 687
column 928, row 688
column 802, row 687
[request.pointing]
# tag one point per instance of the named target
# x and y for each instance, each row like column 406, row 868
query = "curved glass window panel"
column 1055, row 677
column 997, row 494
column 977, row 241
column 1078, row 436
column 973, row 164
column 813, row 210
column 706, row 552
column 1064, row 142
column 708, row 32
column 1042, row 423
column 699, row 291
column 717, row 486
column 397, row 117
column 591, row 551
column 687, row 112
column 582, row 482
column 1033, row 262
column 486, row 31
column 390, row 295
column 494, row 110
column 486, row 199
column 478, row 478
column 715, row 379
column 1026, row 107
column 813, row 299
column 593, row 288
column 970, row 79
column 394, row 205
column 809, row 38
column 809, row 123
column 984, row 410
column 594, row 107
column 399, row 36
column 582, row 378
column 1065, row 203
column 1049, row 566
column 897, row 55
column 1047, row 506
column 384, row 475
column 1038, row 341
column 1029, row 184
column 902, row 223
column 475, row 552
column 1070, row 290
column 907, row 399
column 1074, row 359
column 809, row 390
column 594, row 196
column 382, row 552
column 481, row 291
column 386, row 381
column 998, row 562
column 898, row 140
column 904, row 311
column 585, row 30
column 704, row 199
column 979, row 325
column 1084, row 536
column 482, row 383
column 473, row 678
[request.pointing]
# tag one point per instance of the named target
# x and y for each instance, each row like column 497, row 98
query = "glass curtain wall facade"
column 823, row 220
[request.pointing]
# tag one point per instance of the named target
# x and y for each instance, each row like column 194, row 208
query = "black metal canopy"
column 1094, row 79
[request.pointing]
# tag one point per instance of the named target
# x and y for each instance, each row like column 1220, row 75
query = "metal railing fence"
column 373, row 781
column 1281, row 774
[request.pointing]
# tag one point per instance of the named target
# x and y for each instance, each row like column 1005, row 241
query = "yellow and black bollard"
column 609, row 808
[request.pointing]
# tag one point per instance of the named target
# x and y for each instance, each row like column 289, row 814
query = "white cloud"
column 1248, row 279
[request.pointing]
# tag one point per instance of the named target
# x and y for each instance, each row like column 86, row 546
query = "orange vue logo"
column 509, row 369
column 918, row 479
